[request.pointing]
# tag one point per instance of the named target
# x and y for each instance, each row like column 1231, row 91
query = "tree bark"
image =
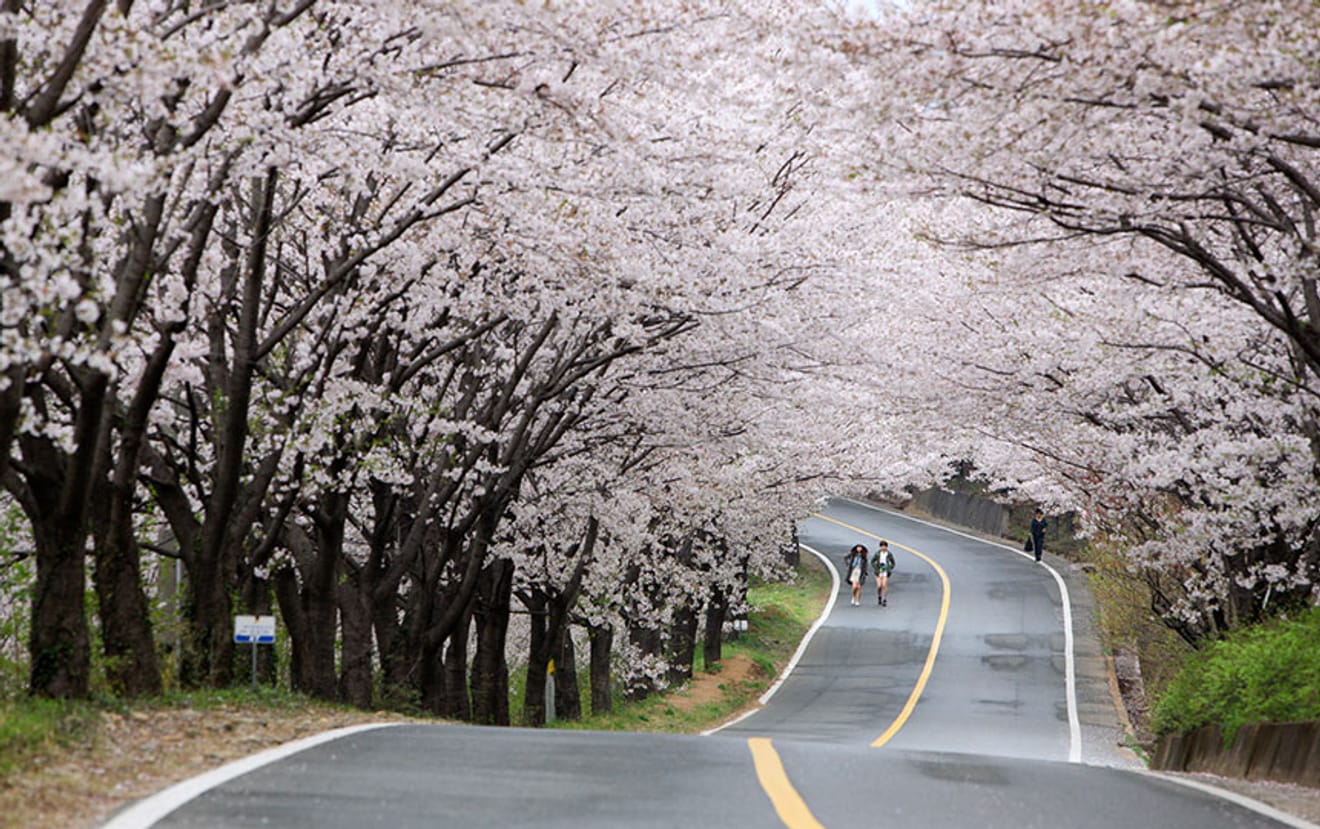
column 355, row 671
column 568, row 697
column 713, row 635
column 490, row 671
column 682, row 644
column 601, row 639
column 457, row 703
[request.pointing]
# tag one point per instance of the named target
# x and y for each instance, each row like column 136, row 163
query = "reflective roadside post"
column 550, row 691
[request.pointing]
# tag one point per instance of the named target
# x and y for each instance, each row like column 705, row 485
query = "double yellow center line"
column 789, row 805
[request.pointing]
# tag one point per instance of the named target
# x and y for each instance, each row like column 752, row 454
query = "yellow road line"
column 911, row 703
column 789, row 805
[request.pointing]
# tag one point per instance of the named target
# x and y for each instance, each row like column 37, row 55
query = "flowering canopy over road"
column 408, row 318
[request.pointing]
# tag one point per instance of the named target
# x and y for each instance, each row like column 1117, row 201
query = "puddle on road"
column 960, row 772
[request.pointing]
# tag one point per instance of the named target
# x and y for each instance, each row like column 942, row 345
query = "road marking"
column 802, row 646
column 1069, row 659
column 789, row 805
column 144, row 813
column 911, row 704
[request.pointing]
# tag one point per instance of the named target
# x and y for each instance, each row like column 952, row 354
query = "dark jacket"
column 886, row 566
column 1038, row 526
column 851, row 560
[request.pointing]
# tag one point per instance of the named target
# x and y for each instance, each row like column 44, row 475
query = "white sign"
column 254, row 629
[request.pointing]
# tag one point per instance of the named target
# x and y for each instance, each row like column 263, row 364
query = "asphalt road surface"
column 960, row 704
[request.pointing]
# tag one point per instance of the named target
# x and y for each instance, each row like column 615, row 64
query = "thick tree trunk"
column 208, row 651
column 649, row 641
column 58, row 509
column 682, row 645
column 601, row 639
column 320, row 599
column 490, row 671
column 538, row 659
column 550, row 611
column 59, row 645
column 132, row 668
column 295, row 623
column 355, row 669
column 431, row 671
column 568, row 697
column 396, row 654
column 130, row 649
column 713, row 636
column 457, row 703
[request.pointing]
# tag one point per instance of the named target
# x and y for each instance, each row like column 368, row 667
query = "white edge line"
column 146, row 812
column 802, row 647
column 1074, row 754
column 1240, row 799
column 1069, row 660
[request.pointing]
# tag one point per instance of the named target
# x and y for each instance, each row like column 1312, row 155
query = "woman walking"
column 883, row 564
column 854, row 564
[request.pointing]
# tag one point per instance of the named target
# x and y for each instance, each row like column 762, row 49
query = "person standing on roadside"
column 883, row 564
column 854, row 564
column 1038, row 525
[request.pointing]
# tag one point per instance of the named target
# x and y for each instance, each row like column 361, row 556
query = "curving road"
column 961, row 703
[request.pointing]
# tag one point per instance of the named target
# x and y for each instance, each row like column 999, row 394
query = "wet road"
column 953, row 706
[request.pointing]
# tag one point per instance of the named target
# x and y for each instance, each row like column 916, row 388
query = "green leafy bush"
column 1266, row 673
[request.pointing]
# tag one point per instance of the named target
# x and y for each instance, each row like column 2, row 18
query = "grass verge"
column 780, row 615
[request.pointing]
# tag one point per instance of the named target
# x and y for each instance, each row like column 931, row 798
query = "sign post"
column 550, row 692
column 258, row 630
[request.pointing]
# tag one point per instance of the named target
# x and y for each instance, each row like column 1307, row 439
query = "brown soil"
column 709, row 687
column 135, row 755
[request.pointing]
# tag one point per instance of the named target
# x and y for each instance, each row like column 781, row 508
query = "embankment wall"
column 1283, row 752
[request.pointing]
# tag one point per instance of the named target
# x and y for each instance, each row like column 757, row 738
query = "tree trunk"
column 355, row 669
column 126, row 638
column 682, row 645
column 457, row 703
column 295, row 622
column 131, row 665
column 318, row 601
column 713, row 636
column 538, row 659
column 568, row 697
column 550, row 609
column 396, row 656
column 59, row 488
column 209, row 657
column 59, row 645
column 490, row 671
column 601, row 638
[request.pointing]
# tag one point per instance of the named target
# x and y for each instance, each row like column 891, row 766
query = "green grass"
column 30, row 728
column 779, row 616
column 1266, row 673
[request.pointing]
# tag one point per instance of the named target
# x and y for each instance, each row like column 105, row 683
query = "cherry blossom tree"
column 1139, row 331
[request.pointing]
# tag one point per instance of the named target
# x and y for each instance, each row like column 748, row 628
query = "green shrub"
column 1266, row 673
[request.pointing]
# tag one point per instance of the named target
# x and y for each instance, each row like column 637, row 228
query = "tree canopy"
column 405, row 320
